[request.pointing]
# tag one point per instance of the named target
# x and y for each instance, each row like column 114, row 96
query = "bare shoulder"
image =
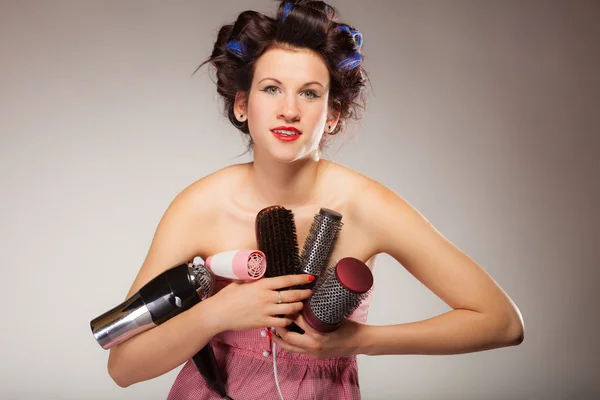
column 203, row 196
column 374, row 201
column 341, row 182
column 364, row 194
column 377, row 210
column 181, row 233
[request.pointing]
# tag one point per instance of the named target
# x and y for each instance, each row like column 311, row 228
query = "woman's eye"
column 271, row 89
column 311, row 94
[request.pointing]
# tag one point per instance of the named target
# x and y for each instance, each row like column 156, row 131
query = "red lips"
column 287, row 128
column 286, row 138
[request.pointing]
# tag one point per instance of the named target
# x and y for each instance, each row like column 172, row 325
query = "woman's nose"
column 289, row 109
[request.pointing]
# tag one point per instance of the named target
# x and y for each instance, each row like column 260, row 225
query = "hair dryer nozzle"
column 122, row 322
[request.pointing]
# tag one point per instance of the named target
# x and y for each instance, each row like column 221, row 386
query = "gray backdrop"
column 484, row 115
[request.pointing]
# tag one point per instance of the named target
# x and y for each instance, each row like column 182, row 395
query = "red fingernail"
column 311, row 278
column 269, row 334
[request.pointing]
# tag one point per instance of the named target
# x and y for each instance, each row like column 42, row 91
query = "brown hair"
column 298, row 24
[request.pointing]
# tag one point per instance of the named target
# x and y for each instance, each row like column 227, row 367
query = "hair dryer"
column 244, row 265
column 166, row 295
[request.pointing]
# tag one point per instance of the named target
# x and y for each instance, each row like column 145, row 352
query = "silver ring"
column 278, row 297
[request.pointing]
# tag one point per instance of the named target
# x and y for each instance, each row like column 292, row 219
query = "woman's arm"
column 159, row 350
column 238, row 306
column 482, row 317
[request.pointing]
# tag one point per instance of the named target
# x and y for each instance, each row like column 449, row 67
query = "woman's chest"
column 237, row 231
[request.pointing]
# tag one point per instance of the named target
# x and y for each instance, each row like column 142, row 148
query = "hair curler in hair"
column 338, row 293
column 244, row 265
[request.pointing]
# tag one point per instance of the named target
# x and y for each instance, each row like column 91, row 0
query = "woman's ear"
column 240, row 106
column 333, row 118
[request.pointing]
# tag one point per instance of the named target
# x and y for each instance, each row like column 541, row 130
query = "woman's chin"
column 290, row 156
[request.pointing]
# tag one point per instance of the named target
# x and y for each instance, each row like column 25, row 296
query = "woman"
column 290, row 83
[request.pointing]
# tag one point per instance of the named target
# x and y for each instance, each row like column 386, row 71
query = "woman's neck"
column 290, row 185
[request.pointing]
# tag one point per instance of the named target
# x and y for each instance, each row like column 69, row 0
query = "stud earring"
column 329, row 130
column 239, row 124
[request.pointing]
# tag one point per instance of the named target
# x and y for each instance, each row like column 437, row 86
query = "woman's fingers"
column 277, row 322
column 286, row 346
column 287, row 281
column 284, row 309
column 286, row 301
column 286, row 296
column 291, row 296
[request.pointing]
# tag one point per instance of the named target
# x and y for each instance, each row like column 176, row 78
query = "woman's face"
column 287, row 104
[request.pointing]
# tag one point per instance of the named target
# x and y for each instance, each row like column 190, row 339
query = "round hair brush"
column 319, row 244
column 318, row 247
column 338, row 293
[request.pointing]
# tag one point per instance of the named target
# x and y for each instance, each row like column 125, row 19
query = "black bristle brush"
column 276, row 237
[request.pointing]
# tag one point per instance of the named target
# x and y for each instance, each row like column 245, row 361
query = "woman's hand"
column 343, row 341
column 251, row 305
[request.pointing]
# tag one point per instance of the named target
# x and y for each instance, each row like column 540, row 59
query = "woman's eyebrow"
column 280, row 83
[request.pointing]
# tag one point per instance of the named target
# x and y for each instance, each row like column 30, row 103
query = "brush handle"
column 206, row 363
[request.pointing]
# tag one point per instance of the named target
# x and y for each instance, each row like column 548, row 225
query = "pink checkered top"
column 245, row 359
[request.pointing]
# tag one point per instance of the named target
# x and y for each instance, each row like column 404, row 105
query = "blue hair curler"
column 356, row 35
column 286, row 11
column 358, row 39
column 345, row 28
column 351, row 62
column 236, row 48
